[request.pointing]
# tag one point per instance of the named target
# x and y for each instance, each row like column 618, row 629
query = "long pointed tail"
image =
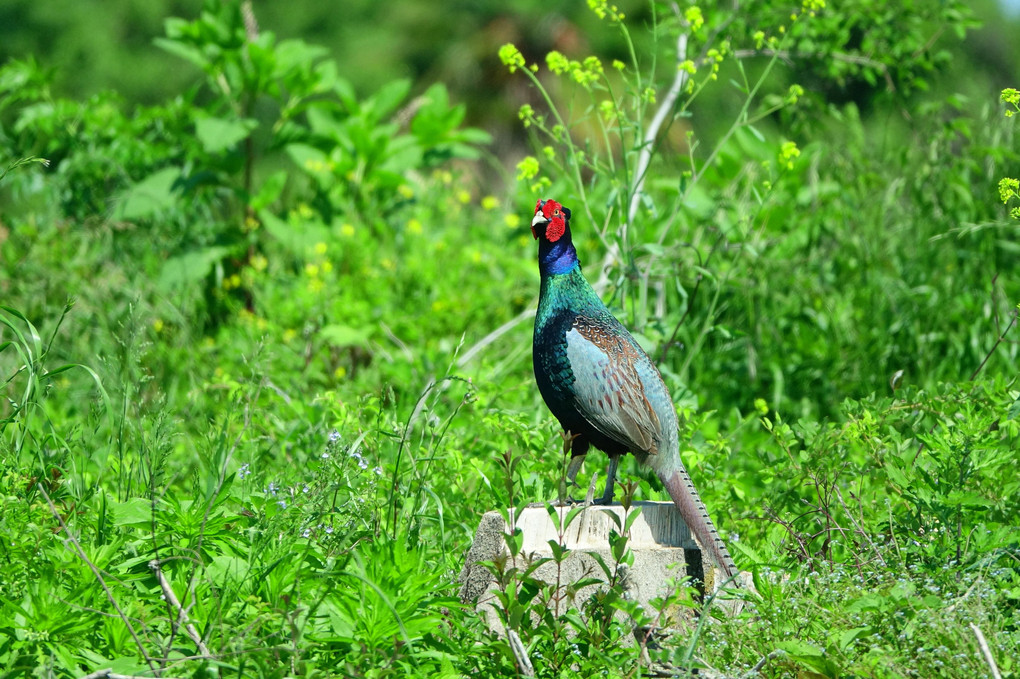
column 693, row 511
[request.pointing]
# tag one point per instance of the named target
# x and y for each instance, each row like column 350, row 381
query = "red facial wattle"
column 556, row 223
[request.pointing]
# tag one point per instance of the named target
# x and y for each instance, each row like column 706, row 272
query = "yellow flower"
column 476, row 256
column 438, row 305
column 490, row 203
column 557, row 63
column 512, row 220
column 327, row 266
column 788, row 152
column 405, row 191
column 526, row 114
column 387, row 264
column 312, row 270
column 316, row 285
column 694, row 18
column 527, row 168
column 320, row 248
column 414, row 226
column 157, row 325
column 289, row 334
column 340, row 372
column 511, row 57
column 347, row 230
column 259, row 263
column 464, row 196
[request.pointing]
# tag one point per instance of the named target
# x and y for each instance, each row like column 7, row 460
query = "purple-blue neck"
column 556, row 258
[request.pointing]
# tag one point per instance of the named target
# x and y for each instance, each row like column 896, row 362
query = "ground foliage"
column 265, row 346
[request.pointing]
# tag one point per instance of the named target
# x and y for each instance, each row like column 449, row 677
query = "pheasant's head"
column 551, row 220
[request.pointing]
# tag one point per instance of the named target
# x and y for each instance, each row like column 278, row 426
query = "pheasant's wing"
column 609, row 390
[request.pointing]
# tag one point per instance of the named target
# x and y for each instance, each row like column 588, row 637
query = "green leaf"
column 297, row 240
column 270, row 191
column 847, row 637
column 135, row 512
column 183, row 270
column 387, row 99
column 219, row 134
column 148, row 197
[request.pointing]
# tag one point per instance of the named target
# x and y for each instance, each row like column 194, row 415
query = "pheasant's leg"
column 607, row 497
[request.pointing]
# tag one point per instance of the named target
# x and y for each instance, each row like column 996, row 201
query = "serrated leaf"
column 219, row 134
column 148, row 197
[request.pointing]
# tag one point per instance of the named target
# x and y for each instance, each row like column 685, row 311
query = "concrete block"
column 660, row 540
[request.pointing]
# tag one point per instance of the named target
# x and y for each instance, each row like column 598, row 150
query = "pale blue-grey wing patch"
column 608, row 389
column 661, row 403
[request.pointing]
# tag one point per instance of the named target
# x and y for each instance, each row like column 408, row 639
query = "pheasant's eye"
column 556, row 212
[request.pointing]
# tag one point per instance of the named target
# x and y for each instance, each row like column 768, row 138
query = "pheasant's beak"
column 539, row 219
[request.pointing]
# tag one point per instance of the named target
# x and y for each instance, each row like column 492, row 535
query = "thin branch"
column 182, row 615
column 789, row 57
column 99, row 577
column 468, row 355
column 645, row 157
column 985, row 651
column 648, row 144
column 520, row 652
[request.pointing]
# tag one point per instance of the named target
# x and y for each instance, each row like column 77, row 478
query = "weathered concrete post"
column 660, row 540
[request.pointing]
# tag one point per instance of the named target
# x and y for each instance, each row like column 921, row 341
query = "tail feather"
column 694, row 514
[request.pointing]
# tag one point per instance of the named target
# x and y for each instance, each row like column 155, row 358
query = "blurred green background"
column 96, row 46
column 264, row 316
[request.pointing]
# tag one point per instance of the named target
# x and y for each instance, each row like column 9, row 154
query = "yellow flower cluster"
column 603, row 9
column 794, row 93
column 694, row 18
column 1011, row 97
column 1009, row 188
column 527, row 168
column 527, row 115
column 583, row 73
column 511, row 57
column 788, row 153
column 319, row 268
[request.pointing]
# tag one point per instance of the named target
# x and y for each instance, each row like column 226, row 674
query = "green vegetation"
column 265, row 349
